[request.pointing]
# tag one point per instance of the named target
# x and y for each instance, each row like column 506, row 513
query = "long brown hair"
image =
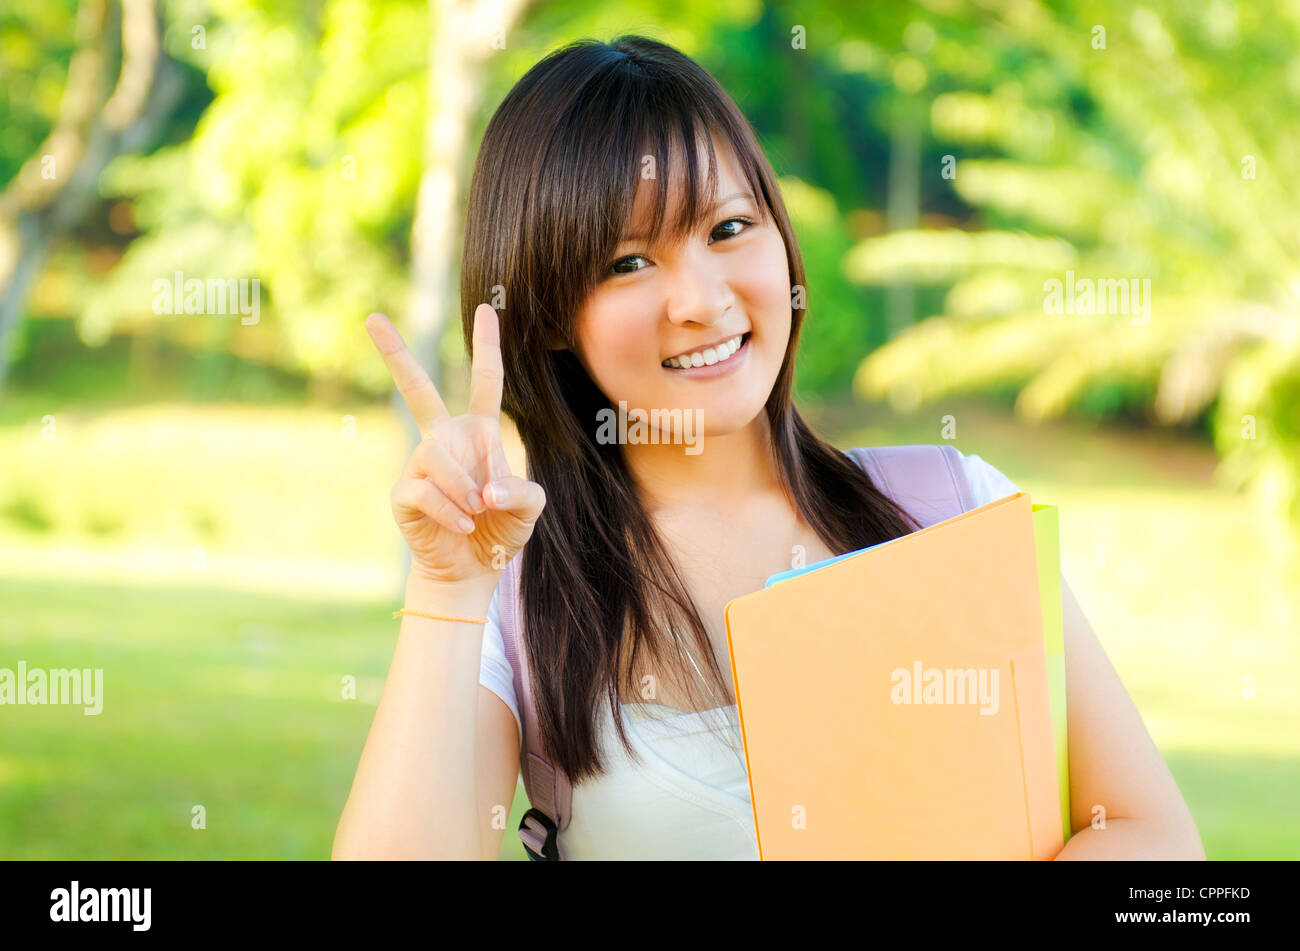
column 553, row 186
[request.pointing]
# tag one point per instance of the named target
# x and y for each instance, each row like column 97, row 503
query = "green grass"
column 223, row 675
column 226, row 700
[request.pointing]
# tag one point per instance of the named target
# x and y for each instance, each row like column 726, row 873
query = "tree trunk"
column 902, row 204
column 55, row 188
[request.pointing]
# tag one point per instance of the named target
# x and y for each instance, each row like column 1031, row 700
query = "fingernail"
column 499, row 494
column 476, row 502
column 465, row 524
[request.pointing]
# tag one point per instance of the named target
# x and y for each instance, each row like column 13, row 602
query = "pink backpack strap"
column 929, row 482
column 548, row 789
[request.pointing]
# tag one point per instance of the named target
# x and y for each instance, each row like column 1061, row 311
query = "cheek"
column 767, row 288
column 616, row 345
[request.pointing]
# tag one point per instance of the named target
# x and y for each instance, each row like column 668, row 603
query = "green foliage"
column 835, row 329
column 1163, row 154
column 36, row 43
column 1163, row 157
column 301, row 174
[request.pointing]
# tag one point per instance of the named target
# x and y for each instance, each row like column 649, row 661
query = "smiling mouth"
column 707, row 357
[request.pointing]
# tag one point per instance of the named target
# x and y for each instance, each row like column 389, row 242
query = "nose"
column 698, row 291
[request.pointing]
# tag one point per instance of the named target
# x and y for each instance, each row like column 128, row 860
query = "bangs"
column 668, row 159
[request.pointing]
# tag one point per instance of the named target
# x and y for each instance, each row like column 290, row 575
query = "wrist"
column 470, row 598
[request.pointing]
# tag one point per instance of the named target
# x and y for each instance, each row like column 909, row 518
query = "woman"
column 629, row 230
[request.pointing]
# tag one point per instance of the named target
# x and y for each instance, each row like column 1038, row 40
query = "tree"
column 99, row 120
column 1139, row 252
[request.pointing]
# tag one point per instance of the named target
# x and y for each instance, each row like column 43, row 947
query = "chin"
column 726, row 421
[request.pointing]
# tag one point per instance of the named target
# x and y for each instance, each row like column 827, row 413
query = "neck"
column 730, row 467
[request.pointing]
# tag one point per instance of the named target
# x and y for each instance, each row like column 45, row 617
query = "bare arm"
column 415, row 791
column 1114, row 763
column 439, row 756
column 498, row 770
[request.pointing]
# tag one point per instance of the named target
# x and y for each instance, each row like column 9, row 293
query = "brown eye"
column 730, row 221
column 613, row 268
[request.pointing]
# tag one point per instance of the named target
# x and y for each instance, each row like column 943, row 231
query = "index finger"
column 486, row 372
column 418, row 392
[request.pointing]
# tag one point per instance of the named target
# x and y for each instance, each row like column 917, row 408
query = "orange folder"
column 894, row 705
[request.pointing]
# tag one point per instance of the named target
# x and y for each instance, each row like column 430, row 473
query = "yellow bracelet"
column 439, row 617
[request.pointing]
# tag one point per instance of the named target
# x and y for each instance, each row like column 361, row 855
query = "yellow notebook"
column 895, row 704
column 1047, row 538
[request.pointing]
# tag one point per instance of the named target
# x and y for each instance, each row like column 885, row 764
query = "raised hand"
column 461, row 511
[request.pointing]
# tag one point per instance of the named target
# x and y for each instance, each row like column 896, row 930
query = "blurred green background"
column 198, row 503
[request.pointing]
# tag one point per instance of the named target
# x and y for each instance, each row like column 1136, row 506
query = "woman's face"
column 699, row 326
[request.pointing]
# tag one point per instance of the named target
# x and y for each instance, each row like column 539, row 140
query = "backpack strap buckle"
column 540, row 836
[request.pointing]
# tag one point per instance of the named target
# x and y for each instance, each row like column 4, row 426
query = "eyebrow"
column 745, row 193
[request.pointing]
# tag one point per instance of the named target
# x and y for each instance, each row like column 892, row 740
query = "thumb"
column 519, row 497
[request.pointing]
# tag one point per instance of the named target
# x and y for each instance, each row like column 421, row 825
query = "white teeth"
column 708, row 356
